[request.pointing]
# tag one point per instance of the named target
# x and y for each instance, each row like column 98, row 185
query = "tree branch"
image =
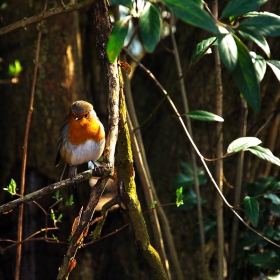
column 81, row 177
column 70, row 7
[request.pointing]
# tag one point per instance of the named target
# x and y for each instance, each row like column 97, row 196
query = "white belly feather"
column 90, row 151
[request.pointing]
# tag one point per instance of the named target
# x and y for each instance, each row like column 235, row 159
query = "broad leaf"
column 273, row 197
column 204, row 116
column 258, row 39
column 242, row 143
column 203, row 48
column 275, row 66
column 192, row 13
column 117, row 37
column 150, row 26
column 227, row 49
column 126, row 3
column 261, row 23
column 251, row 207
column 259, row 64
column 265, row 154
column 245, row 76
column 239, row 7
column 267, row 260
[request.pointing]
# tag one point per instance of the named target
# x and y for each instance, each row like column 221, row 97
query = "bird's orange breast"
column 82, row 129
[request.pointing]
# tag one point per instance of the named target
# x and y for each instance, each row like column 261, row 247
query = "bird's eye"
column 76, row 118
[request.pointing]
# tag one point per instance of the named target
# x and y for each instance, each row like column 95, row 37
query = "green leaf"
column 204, row 116
column 203, row 48
column 198, row 2
column 267, row 260
column 15, row 69
column 275, row 66
column 273, row 197
column 227, row 49
column 126, row 3
column 117, row 37
column 261, row 23
column 245, row 76
column 239, row 7
column 57, row 196
column 59, row 218
column 12, row 187
column 251, row 207
column 153, row 204
column 259, row 64
column 53, row 215
column 192, row 13
column 179, row 197
column 150, row 26
column 242, row 143
column 70, row 201
column 265, row 154
column 259, row 39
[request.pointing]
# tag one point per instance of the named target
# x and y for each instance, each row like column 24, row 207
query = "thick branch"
column 49, row 13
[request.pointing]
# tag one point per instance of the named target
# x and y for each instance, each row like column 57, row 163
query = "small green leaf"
column 259, row 39
column 204, row 47
column 53, row 215
column 125, row 3
column 239, row 7
column 117, row 37
column 15, row 69
column 150, row 26
column 245, row 76
column 265, row 154
column 54, row 237
column 59, row 218
column 204, row 116
column 251, row 207
column 192, row 13
column 153, row 205
column 242, row 143
column 57, row 196
column 70, row 201
column 259, row 64
column 179, row 197
column 261, row 23
column 12, row 187
column 275, row 66
column 227, row 49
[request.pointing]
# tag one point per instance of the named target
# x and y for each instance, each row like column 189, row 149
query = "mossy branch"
column 132, row 211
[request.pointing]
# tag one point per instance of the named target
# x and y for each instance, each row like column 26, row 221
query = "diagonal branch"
column 46, row 14
column 81, row 177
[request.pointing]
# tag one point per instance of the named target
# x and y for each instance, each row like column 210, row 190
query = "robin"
column 82, row 137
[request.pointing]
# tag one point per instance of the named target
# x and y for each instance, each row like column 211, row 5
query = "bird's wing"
column 60, row 140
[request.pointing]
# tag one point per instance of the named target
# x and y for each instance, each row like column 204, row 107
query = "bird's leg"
column 72, row 173
column 61, row 177
column 93, row 165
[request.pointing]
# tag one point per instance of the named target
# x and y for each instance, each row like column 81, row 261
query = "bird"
column 81, row 139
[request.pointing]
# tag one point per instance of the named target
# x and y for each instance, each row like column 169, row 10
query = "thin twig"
column 25, row 148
